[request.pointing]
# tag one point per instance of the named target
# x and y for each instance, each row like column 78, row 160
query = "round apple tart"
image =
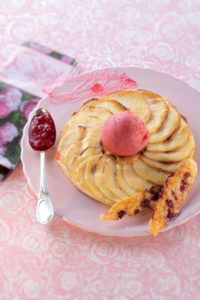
column 108, row 177
column 130, row 150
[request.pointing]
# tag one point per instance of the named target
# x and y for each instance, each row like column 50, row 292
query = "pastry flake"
column 129, row 206
column 173, row 196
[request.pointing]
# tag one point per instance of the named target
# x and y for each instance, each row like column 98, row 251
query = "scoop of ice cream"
column 124, row 134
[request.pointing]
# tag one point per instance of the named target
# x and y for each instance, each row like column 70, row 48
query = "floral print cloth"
column 15, row 107
column 19, row 79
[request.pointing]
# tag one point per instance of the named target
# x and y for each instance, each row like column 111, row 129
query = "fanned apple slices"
column 176, row 140
column 132, row 101
column 112, row 105
column 170, row 124
column 162, row 166
column 149, row 173
column 181, row 153
column 159, row 112
column 109, row 178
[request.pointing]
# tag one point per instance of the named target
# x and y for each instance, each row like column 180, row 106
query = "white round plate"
column 82, row 211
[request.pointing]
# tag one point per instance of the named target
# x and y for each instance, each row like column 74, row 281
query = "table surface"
column 60, row 261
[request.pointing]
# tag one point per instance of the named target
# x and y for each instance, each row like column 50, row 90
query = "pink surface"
column 61, row 262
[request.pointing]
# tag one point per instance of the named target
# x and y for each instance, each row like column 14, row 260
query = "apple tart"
column 111, row 178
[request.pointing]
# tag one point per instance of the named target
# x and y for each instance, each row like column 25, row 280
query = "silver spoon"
column 42, row 136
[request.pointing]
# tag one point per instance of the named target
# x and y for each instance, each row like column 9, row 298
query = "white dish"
column 82, row 211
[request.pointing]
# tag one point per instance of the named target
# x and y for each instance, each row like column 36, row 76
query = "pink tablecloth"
column 60, row 261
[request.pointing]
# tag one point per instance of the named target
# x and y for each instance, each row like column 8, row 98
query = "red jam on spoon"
column 42, row 131
column 42, row 136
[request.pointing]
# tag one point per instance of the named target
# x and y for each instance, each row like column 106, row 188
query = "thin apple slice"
column 101, row 113
column 70, row 137
column 88, row 152
column 110, row 174
column 177, row 140
column 159, row 112
column 182, row 153
column 167, row 167
column 112, row 105
column 132, row 100
column 148, row 173
column 82, row 119
column 70, row 153
column 168, row 127
column 100, row 180
column 90, row 180
column 80, row 180
column 122, row 182
column 134, row 180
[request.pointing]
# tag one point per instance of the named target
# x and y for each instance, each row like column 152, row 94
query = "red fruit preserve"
column 42, row 131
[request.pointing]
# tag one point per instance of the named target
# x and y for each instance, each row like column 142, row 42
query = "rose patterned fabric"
column 15, row 107
column 30, row 68
column 61, row 262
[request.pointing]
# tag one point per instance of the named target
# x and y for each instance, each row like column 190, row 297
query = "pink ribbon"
column 90, row 85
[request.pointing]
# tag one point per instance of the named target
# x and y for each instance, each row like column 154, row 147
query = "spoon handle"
column 45, row 212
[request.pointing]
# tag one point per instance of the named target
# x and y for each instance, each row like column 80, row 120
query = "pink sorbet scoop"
column 124, row 134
